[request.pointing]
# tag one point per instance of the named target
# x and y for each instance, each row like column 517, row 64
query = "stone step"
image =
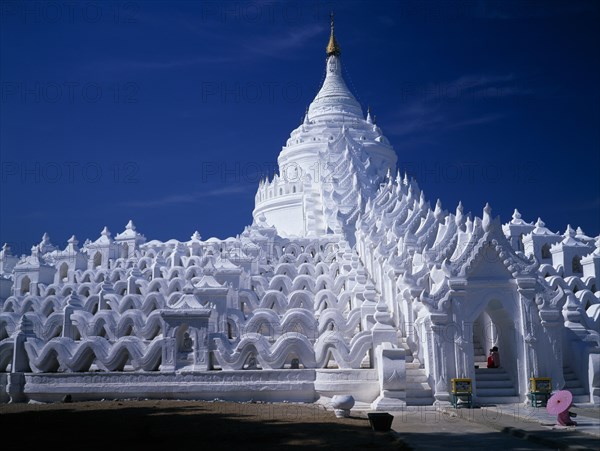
column 420, row 394
column 416, row 377
column 492, row 377
column 413, row 365
column 417, row 386
column 581, row 398
column 489, row 370
column 573, row 383
column 503, row 383
column 496, row 391
column 425, row 401
column 491, row 400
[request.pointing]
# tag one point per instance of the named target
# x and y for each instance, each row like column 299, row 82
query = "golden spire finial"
column 333, row 47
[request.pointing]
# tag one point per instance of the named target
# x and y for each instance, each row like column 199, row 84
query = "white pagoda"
column 349, row 281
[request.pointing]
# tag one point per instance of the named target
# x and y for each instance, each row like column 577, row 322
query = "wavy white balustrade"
column 77, row 356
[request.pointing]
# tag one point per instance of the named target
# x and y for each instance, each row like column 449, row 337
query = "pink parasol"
column 559, row 402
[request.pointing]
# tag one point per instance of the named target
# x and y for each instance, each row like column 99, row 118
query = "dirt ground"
column 167, row 424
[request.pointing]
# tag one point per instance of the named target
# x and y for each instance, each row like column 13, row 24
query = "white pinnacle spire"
column 487, row 217
column 334, row 96
column 569, row 231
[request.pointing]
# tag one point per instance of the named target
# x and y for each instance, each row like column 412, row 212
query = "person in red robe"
column 490, row 360
column 564, row 418
column 496, row 357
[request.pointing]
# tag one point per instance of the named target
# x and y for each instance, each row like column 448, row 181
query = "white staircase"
column 494, row 386
column 313, row 206
column 574, row 385
column 480, row 355
column 418, row 391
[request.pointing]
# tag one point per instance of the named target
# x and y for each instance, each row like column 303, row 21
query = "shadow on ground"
column 165, row 424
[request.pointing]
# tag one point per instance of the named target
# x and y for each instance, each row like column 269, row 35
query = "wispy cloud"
column 186, row 198
column 165, row 64
column 484, row 9
column 279, row 45
column 425, row 119
column 485, row 119
column 592, row 205
column 453, row 105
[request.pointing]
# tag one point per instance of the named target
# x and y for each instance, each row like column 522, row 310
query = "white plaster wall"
column 285, row 213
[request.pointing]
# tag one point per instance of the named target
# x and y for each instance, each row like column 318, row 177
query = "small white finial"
column 569, row 231
column 469, row 225
column 487, row 218
column 438, row 213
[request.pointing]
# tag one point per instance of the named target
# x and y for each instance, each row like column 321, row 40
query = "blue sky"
column 168, row 113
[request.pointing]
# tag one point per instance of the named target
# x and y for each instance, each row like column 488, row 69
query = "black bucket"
column 380, row 421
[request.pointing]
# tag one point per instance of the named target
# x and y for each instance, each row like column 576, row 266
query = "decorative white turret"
column 102, row 250
column 568, row 253
column 129, row 240
column 7, row 264
column 591, row 262
column 537, row 243
column 67, row 261
column 45, row 245
column 31, row 271
column 7, row 260
column 516, row 229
